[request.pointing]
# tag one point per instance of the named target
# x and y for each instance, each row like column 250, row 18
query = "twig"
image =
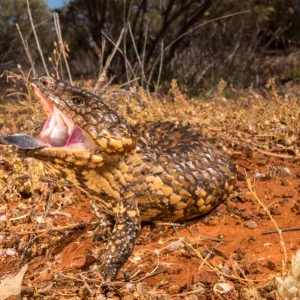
column 100, row 53
column 154, row 270
column 125, row 54
column 144, row 46
column 21, row 217
column 253, row 192
column 189, row 293
column 36, row 38
column 160, row 65
column 61, row 44
column 159, row 223
column 58, row 228
column 25, row 45
column 125, row 22
column 129, row 10
column 205, row 259
column 103, row 73
column 282, row 230
column 112, row 283
column 109, row 82
column 275, row 154
column 136, row 53
column 130, row 81
column 86, row 285
column 69, row 277
column 126, row 59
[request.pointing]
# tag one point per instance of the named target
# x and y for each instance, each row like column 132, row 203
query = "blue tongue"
column 21, row 140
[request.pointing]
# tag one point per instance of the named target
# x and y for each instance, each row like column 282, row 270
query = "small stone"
column 251, row 224
column 252, row 238
column 205, row 277
column 206, row 254
column 296, row 208
column 241, row 176
column 275, row 211
column 240, row 251
column 293, row 290
column 83, row 261
column 284, row 201
column 269, row 287
column 226, row 270
column 129, row 287
column 175, row 245
column 241, row 206
column 223, row 287
column 174, row 270
column 11, row 252
column 252, row 267
column 271, row 265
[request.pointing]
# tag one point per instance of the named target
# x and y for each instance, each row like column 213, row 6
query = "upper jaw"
column 35, row 88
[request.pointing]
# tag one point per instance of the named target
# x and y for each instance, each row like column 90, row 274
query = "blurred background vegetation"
column 196, row 42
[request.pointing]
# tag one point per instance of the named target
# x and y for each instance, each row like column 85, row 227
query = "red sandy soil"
column 169, row 261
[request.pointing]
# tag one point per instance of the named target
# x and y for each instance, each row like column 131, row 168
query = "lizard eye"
column 78, row 101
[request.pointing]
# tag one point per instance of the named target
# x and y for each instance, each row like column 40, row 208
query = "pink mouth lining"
column 59, row 130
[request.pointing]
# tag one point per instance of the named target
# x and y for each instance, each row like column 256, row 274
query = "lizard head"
column 78, row 125
column 78, row 119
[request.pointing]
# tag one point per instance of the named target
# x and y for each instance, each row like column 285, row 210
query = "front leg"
column 104, row 228
column 122, row 240
column 105, row 224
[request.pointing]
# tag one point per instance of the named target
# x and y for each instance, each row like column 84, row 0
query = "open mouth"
column 59, row 131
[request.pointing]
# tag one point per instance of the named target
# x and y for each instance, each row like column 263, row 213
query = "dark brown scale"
column 162, row 171
column 189, row 163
